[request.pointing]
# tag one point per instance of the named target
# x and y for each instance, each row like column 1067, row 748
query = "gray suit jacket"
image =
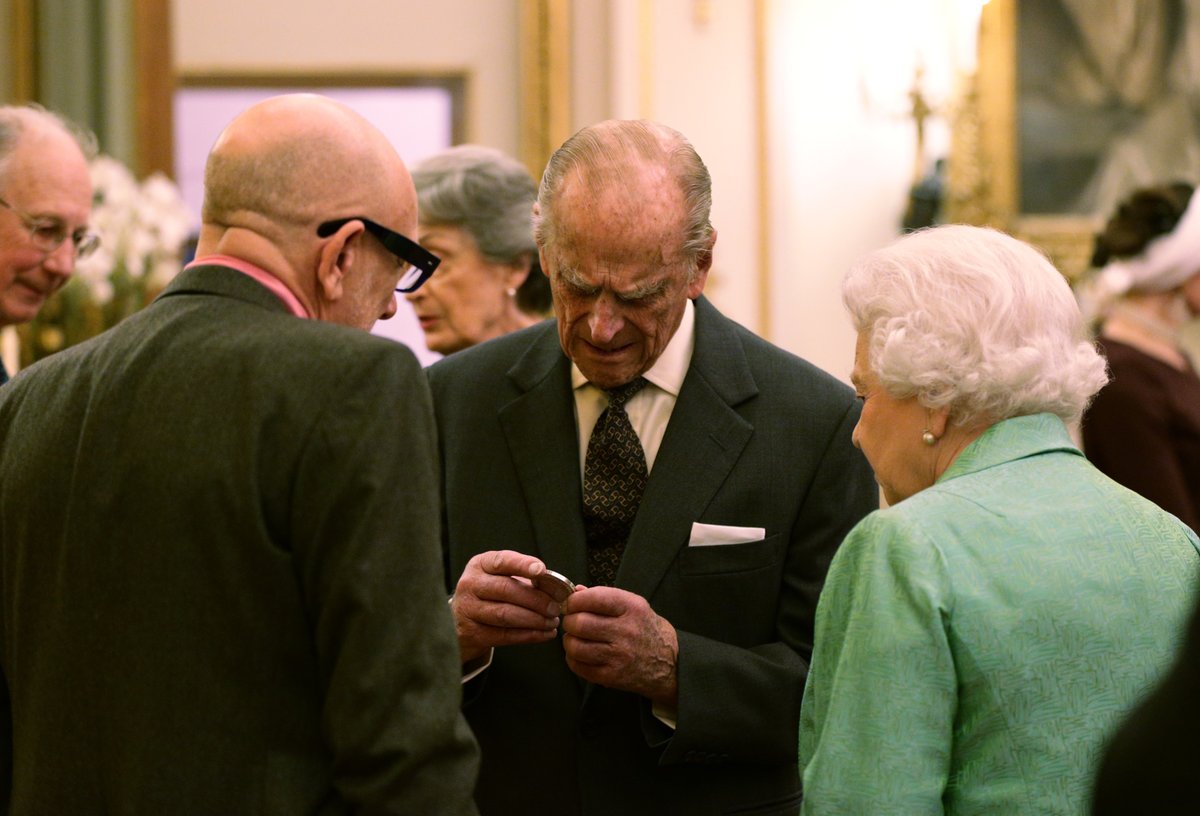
column 757, row 438
column 221, row 581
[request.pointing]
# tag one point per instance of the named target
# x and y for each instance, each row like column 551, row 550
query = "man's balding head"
column 616, row 157
column 300, row 158
column 290, row 163
column 20, row 121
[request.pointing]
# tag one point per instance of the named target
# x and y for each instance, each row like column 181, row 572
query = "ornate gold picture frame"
column 984, row 177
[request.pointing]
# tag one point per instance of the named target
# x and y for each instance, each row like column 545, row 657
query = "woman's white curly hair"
column 972, row 319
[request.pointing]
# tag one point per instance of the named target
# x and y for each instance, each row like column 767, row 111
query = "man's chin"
column 23, row 311
column 608, row 376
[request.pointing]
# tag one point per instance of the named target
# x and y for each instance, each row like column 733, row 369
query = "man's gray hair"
column 604, row 151
column 972, row 319
column 15, row 120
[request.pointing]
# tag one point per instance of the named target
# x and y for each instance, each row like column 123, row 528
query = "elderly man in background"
column 45, row 204
column 222, row 590
column 697, row 480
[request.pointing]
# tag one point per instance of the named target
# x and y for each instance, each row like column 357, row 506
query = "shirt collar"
column 672, row 365
column 272, row 283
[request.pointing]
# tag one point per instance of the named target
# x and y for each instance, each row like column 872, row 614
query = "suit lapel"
column 704, row 440
column 539, row 427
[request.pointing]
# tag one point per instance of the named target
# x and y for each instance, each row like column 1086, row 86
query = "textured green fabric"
column 977, row 642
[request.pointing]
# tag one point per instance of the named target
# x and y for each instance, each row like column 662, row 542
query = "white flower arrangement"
column 142, row 228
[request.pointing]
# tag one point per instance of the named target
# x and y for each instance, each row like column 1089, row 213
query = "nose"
column 604, row 322
column 413, row 297
column 61, row 261
column 390, row 311
column 854, row 435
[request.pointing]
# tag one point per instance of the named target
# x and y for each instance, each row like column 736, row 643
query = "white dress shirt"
column 650, row 409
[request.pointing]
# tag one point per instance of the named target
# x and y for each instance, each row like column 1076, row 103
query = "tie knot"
column 617, row 397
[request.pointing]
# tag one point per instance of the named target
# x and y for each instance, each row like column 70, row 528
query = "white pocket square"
column 708, row 535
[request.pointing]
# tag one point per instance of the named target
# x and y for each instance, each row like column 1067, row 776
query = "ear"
column 337, row 255
column 938, row 420
column 703, row 264
column 517, row 271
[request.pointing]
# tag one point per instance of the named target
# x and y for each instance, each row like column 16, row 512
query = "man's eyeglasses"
column 419, row 262
column 48, row 234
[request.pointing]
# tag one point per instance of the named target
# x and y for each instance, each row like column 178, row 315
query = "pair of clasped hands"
column 610, row 636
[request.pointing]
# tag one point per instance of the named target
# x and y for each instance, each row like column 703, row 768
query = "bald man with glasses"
column 220, row 563
column 45, row 204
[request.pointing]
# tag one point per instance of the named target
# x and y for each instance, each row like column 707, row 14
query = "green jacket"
column 976, row 643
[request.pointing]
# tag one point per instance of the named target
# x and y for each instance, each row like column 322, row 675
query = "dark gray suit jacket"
column 757, row 438
column 1149, row 766
column 219, row 558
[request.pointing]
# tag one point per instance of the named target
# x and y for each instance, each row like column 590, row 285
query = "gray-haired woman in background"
column 474, row 205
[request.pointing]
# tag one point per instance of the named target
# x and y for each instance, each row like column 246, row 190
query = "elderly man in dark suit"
column 222, row 590
column 690, row 478
column 45, row 204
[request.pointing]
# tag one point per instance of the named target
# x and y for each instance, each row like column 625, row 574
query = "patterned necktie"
column 614, row 476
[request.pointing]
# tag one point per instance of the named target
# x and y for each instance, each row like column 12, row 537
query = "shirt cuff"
column 477, row 666
column 667, row 718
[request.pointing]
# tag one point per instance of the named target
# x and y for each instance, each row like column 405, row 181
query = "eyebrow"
column 571, row 275
column 642, row 292
column 44, row 216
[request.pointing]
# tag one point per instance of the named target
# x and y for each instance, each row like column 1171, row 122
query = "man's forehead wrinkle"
column 608, row 260
column 596, row 234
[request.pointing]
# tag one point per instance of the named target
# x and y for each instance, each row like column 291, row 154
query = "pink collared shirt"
column 261, row 275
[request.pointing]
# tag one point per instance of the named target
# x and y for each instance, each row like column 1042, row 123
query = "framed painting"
column 1076, row 103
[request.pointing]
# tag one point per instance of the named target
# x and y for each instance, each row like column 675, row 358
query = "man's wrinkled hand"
column 495, row 604
column 613, row 638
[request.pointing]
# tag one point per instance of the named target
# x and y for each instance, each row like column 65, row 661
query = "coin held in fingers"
column 554, row 584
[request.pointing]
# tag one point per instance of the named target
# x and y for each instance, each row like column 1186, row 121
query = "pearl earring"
column 511, row 292
column 928, row 438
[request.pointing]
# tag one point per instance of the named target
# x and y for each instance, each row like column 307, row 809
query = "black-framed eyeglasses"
column 48, row 234
column 420, row 262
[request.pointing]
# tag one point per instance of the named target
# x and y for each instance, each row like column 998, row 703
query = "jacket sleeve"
column 367, row 549
column 878, row 714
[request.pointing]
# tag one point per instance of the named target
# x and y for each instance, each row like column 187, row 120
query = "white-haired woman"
column 1144, row 427
column 978, row 638
column 476, row 213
